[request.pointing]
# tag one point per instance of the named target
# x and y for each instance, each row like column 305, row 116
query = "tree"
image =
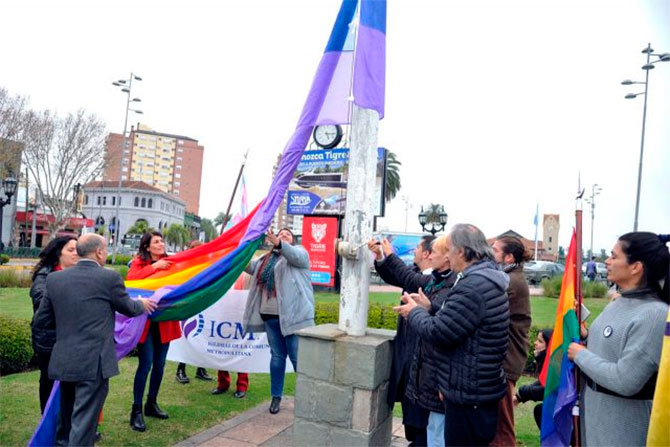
column 392, row 185
column 210, row 230
column 139, row 227
column 177, row 236
column 433, row 212
column 59, row 152
column 218, row 220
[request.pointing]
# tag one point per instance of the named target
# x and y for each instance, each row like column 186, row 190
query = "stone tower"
column 550, row 227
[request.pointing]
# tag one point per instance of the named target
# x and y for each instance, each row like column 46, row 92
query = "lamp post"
column 9, row 187
column 435, row 226
column 663, row 57
column 591, row 200
column 126, row 86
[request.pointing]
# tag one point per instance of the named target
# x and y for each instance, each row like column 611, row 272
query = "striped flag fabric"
column 351, row 71
column 557, row 376
column 659, row 424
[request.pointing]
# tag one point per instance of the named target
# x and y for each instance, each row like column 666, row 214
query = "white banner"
column 214, row 339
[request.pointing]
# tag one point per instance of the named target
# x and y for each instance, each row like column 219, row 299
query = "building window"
column 176, row 192
column 151, row 203
column 144, row 203
column 177, row 175
column 123, row 177
column 180, row 142
column 549, row 239
column 178, row 166
column 99, row 200
column 137, row 201
column 113, row 200
column 104, row 200
column 86, row 199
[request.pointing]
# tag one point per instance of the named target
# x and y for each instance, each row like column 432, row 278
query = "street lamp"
column 126, row 87
column 435, row 226
column 663, row 57
column 9, row 187
column 595, row 190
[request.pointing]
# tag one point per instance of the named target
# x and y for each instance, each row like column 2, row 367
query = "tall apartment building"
column 171, row 163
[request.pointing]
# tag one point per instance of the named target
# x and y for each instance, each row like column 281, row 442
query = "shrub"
column 380, row 316
column 4, row 259
column 15, row 278
column 552, row 287
column 16, row 349
column 594, row 289
column 120, row 259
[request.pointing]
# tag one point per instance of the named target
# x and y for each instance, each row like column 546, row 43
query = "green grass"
column 191, row 407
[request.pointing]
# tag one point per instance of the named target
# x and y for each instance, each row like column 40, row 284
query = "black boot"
column 274, row 405
column 201, row 373
column 152, row 409
column 181, row 374
column 136, row 419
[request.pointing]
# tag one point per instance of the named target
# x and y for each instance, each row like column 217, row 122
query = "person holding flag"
column 621, row 359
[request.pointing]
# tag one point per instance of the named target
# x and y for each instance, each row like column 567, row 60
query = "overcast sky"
column 491, row 106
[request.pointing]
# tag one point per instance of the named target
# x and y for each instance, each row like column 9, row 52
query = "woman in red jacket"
column 156, row 338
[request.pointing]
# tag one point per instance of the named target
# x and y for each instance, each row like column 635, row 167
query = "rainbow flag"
column 351, row 71
column 557, row 376
column 659, row 424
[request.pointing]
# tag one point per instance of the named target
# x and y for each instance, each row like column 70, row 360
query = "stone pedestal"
column 341, row 388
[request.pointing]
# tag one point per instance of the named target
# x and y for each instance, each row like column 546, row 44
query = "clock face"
column 327, row 136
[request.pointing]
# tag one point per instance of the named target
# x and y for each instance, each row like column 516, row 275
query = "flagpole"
column 578, row 297
column 232, row 196
column 537, row 217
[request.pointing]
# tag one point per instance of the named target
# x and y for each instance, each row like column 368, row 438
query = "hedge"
column 590, row 289
column 15, row 278
column 16, row 349
column 120, row 259
column 4, row 259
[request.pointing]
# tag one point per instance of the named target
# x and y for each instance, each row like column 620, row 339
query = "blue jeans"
column 435, row 429
column 152, row 354
column 280, row 347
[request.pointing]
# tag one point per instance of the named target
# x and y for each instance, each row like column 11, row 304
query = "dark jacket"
column 519, row 324
column 395, row 272
column 422, row 385
column 81, row 300
column 535, row 390
column 44, row 337
column 469, row 333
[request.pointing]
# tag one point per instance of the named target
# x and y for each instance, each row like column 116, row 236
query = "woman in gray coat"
column 281, row 302
column 623, row 350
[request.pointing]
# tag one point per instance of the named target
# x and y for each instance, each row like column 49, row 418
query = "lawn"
column 191, row 407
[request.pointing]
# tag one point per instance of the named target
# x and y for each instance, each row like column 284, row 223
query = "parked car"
column 536, row 271
column 601, row 271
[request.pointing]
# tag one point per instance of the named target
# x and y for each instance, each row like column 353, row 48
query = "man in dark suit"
column 82, row 301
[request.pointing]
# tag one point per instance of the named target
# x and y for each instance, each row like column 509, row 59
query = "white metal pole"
column 359, row 215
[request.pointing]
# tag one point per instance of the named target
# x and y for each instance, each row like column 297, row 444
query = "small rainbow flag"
column 557, row 376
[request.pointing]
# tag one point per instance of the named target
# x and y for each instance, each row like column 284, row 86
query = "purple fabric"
column 370, row 71
column 335, row 109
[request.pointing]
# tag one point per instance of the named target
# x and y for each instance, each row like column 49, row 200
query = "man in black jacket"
column 82, row 301
column 469, row 333
column 395, row 272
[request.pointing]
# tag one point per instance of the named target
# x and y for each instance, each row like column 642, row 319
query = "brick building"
column 171, row 163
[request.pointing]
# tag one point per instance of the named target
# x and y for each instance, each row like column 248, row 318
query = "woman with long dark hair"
column 621, row 358
column 535, row 390
column 156, row 337
column 59, row 254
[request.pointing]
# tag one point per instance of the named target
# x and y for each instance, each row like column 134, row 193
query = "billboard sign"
column 404, row 244
column 319, row 184
column 318, row 238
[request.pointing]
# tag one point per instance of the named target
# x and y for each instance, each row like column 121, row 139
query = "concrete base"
column 341, row 388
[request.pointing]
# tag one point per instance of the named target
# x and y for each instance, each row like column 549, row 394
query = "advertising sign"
column 318, row 238
column 404, row 244
column 319, row 184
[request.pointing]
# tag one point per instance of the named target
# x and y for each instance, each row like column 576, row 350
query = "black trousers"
column 470, row 425
column 81, row 403
column 415, row 420
column 46, row 384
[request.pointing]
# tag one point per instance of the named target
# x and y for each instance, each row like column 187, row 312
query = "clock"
column 327, row 136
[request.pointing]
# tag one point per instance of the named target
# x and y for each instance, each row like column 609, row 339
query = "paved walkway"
column 257, row 427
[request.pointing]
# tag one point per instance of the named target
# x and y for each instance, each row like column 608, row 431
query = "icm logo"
column 300, row 200
column 229, row 330
column 197, row 323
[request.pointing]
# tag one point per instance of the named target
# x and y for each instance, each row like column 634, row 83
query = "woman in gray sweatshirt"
column 621, row 358
column 281, row 302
